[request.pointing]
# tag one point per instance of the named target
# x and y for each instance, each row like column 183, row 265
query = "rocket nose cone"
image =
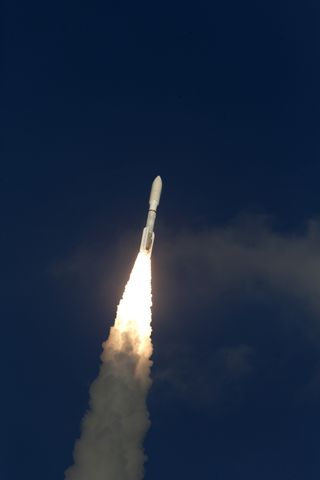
column 158, row 180
column 155, row 192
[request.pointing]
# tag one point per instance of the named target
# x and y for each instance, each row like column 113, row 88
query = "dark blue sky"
column 222, row 100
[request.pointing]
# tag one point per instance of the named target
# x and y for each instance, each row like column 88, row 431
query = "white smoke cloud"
column 110, row 446
column 245, row 260
column 208, row 274
column 247, row 252
column 248, row 255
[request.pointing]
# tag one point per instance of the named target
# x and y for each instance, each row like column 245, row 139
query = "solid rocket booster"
column 148, row 233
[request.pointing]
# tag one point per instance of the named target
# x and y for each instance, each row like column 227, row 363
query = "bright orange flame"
column 133, row 320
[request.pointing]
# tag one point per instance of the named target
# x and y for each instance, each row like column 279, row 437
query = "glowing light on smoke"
column 134, row 310
column 110, row 446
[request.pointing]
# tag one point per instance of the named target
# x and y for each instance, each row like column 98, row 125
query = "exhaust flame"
column 110, row 446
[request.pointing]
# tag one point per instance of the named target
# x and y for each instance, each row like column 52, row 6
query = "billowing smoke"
column 111, row 442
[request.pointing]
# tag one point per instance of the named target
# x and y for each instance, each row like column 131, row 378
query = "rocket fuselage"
column 148, row 231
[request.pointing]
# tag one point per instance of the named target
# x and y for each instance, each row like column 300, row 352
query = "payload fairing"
column 148, row 233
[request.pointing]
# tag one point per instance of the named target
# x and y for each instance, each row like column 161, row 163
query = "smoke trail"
column 110, row 446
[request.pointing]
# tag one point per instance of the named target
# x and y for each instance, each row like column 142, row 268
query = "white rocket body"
column 148, row 233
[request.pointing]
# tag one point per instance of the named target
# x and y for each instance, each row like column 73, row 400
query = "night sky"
column 222, row 100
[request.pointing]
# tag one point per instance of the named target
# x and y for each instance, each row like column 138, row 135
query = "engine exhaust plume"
column 111, row 442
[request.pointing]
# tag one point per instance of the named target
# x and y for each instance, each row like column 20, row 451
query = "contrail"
column 110, row 446
column 111, row 442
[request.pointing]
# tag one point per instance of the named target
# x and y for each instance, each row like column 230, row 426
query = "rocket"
column 148, row 233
